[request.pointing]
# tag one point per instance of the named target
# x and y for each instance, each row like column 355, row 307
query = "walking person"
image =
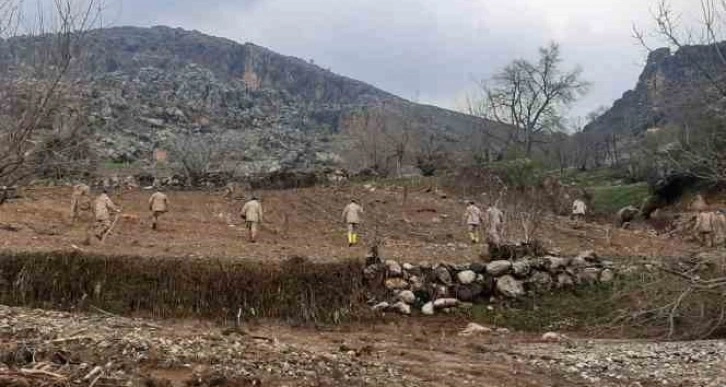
column 158, row 205
column 102, row 207
column 252, row 214
column 473, row 220
column 353, row 216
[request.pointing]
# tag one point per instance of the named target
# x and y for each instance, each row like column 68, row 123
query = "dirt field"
column 303, row 222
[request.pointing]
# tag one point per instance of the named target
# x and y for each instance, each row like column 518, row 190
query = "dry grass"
column 295, row 290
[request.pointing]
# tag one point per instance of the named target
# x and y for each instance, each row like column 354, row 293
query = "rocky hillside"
column 674, row 88
column 144, row 87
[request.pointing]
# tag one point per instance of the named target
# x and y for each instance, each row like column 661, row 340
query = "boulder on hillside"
column 497, row 268
column 509, row 286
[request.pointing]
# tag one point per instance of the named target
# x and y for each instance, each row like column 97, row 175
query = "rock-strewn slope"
column 143, row 86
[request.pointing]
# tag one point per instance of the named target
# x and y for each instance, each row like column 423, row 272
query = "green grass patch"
column 584, row 307
column 609, row 199
column 597, row 177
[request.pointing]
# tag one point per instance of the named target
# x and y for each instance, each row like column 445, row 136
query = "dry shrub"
column 295, row 290
column 684, row 299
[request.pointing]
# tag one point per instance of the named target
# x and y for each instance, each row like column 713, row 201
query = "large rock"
column 428, row 309
column 442, row 303
column 469, row 293
column 555, row 264
column 540, row 281
column 497, row 268
column 509, row 286
column 443, row 275
column 393, row 268
column 466, row 277
column 407, row 296
column 521, row 268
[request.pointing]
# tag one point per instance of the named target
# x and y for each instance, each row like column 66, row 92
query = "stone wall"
column 430, row 288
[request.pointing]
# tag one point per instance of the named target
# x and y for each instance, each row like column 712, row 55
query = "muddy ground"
column 66, row 348
column 303, row 222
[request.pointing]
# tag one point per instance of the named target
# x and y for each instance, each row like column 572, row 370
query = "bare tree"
column 195, row 154
column 531, row 97
column 42, row 44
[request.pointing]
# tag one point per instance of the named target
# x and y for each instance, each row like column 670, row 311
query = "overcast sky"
column 425, row 50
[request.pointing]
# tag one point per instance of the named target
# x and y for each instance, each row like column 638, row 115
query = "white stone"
column 408, row 267
column 428, row 309
column 407, row 296
column 474, row 329
column 394, row 268
column 466, row 277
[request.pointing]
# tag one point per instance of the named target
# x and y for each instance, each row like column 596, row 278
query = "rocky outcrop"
column 432, row 288
column 671, row 88
column 263, row 111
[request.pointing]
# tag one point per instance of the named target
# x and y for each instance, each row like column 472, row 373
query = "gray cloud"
column 429, row 50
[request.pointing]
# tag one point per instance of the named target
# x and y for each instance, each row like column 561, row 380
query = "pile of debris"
column 48, row 348
column 431, row 288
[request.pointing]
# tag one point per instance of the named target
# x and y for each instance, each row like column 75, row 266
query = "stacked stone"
column 444, row 286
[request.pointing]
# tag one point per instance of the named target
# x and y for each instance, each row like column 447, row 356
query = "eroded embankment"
column 296, row 290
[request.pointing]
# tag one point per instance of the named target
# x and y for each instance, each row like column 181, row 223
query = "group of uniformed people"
column 102, row 207
column 493, row 218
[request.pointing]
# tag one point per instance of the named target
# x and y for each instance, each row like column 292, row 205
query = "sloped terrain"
column 142, row 87
column 307, row 223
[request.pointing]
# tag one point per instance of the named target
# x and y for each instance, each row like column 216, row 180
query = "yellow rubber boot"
column 355, row 238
